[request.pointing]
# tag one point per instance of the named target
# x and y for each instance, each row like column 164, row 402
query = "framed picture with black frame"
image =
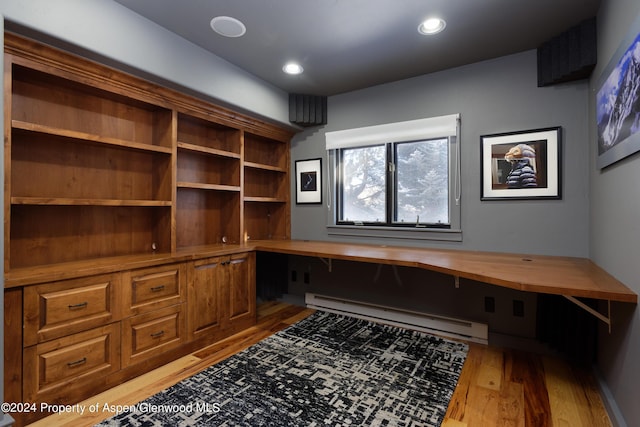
column 308, row 181
column 521, row 165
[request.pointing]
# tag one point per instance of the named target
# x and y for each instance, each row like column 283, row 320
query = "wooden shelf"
column 196, row 169
column 265, row 153
column 86, row 202
column 201, row 186
column 68, row 104
column 260, row 166
column 266, row 219
column 201, row 134
column 52, row 234
column 206, row 150
column 56, row 168
column 265, row 184
column 266, row 188
column 206, row 217
column 264, row 199
column 87, row 137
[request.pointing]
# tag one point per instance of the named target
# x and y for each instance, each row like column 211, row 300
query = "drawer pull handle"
column 157, row 334
column 78, row 306
column 157, row 288
column 77, row 363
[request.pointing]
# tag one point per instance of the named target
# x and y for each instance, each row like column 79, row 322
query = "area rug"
column 326, row 370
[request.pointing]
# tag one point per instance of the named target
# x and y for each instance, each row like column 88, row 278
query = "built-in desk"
column 567, row 276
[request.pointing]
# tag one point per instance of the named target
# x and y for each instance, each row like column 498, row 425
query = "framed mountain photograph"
column 618, row 102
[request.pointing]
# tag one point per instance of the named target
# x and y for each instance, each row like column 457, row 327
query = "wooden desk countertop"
column 573, row 277
column 576, row 277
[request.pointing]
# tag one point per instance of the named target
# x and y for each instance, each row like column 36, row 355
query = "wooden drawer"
column 156, row 287
column 150, row 334
column 70, row 361
column 54, row 310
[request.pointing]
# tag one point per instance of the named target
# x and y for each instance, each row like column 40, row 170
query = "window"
column 395, row 184
column 362, row 185
column 396, row 176
column 421, row 184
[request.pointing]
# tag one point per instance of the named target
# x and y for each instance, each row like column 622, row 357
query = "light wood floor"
column 497, row 387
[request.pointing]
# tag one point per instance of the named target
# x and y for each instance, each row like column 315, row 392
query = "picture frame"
column 617, row 130
column 521, row 165
column 308, row 181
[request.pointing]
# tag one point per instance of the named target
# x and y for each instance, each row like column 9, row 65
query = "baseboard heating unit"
column 438, row 325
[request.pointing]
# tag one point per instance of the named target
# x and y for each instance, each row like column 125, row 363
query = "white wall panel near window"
column 411, row 130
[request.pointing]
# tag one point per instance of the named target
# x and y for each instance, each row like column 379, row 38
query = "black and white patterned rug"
column 326, row 370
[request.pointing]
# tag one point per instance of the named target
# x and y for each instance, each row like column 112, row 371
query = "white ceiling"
column 345, row 45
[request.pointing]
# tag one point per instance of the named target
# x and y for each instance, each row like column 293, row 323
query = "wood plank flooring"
column 497, row 387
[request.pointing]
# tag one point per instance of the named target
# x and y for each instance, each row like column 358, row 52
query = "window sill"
column 437, row 234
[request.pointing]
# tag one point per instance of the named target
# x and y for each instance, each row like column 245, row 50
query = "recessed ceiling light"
column 432, row 26
column 292, row 68
column 228, row 26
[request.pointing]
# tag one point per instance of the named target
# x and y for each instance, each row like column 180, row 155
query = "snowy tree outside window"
column 397, row 183
column 422, row 187
column 364, row 184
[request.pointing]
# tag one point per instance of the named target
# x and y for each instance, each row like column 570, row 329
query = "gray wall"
column 615, row 228
column 495, row 96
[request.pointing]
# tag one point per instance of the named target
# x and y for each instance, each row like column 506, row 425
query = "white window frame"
column 413, row 130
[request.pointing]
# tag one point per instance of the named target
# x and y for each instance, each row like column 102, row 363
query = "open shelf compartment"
column 43, row 235
column 207, row 217
column 64, row 105
column 194, row 132
column 267, row 220
column 54, row 167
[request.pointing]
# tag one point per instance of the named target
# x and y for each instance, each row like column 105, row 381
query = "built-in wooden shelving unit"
column 127, row 208
column 100, row 164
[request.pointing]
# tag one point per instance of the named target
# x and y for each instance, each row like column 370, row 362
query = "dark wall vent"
column 307, row 110
column 570, row 56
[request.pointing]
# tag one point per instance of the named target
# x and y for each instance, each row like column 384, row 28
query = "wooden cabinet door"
column 241, row 291
column 205, row 296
